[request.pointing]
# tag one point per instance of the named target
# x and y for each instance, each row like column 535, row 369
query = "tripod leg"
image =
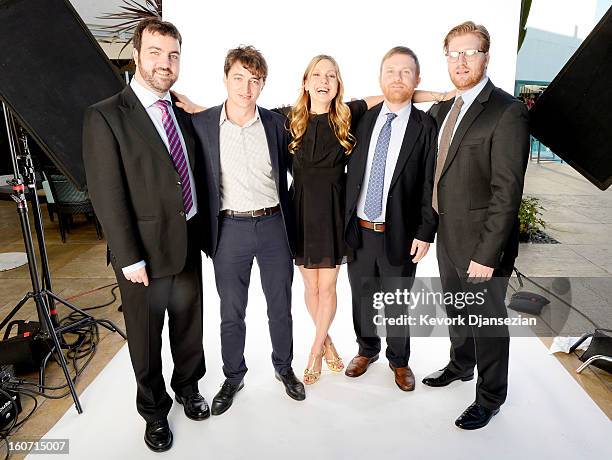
column 105, row 323
column 63, row 363
column 108, row 324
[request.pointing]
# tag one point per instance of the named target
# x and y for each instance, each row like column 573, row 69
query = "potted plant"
column 530, row 221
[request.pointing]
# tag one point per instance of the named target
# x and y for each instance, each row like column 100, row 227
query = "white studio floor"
column 547, row 414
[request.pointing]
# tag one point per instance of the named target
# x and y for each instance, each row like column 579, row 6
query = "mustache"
column 163, row 69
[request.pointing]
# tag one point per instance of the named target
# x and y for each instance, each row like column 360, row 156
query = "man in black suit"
column 483, row 149
column 245, row 159
column 389, row 219
column 139, row 159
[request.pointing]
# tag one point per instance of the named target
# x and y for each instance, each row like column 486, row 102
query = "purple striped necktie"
column 177, row 153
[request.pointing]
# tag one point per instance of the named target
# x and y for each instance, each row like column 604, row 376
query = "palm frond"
column 132, row 12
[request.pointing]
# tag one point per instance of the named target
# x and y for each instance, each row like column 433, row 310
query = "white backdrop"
column 356, row 33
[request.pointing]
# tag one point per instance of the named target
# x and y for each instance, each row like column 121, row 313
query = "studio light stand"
column 42, row 293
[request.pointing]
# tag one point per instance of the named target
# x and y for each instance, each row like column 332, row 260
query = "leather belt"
column 255, row 213
column 378, row 227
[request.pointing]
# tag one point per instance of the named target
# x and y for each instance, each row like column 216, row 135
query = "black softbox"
column 51, row 69
column 573, row 117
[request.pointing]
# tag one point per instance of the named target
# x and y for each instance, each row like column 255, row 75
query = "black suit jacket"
column 409, row 213
column 134, row 186
column 480, row 190
column 206, row 126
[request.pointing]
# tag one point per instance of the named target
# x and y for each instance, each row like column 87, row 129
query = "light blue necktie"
column 376, row 184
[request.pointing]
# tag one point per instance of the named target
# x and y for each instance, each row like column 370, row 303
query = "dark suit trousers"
column 242, row 239
column 144, row 310
column 370, row 271
column 486, row 348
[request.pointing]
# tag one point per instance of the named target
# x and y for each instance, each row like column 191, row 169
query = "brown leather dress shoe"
column 358, row 365
column 404, row 378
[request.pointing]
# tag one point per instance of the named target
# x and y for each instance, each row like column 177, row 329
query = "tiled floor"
column 578, row 215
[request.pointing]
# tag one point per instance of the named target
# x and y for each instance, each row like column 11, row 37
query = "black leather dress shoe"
column 196, row 407
column 224, row 399
column 293, row 387
column 445, row 376
column 158, row 436
column 475, row 416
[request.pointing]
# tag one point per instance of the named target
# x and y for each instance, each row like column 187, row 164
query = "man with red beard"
column 389, row 219
column 138, row 150
column 482, row 157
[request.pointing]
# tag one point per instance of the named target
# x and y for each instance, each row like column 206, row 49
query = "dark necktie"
column 445, row 141
column 176, row 152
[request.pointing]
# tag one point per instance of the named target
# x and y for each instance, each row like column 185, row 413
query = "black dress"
column 318, row 192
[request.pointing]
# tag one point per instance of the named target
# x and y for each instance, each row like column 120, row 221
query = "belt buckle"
column 375, row 226
column 253, row 213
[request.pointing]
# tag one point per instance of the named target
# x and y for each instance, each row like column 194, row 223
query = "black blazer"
column 134, row 186
column 480, row 189
column 206, row 126
column 409, row 213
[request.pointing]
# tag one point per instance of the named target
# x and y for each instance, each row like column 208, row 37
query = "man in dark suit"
column 389, row 219
column 483, row 149
column 245, row 159
column 139, row 159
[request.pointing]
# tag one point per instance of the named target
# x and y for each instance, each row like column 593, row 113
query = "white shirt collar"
column 403, row 113
column 145, row 95
column 223, row 117
column 469, row 95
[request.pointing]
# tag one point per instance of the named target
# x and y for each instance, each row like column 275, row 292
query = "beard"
column 398, row 95
column 472, row 79
column 156, row 81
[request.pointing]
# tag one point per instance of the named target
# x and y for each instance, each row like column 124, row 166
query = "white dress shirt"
column 148, row 100
column 468, row 97
column 398, row 128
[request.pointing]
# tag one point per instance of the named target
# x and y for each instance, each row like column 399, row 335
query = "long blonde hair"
column 339, row 112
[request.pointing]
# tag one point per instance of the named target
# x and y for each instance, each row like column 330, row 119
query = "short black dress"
column 318, row 192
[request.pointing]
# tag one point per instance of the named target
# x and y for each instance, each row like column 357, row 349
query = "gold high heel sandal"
column 312, row 376
column 334, row 363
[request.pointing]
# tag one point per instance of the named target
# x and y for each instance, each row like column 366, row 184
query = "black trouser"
column 242, row 239
column 370, row 271
column 486, row 348
column 144, row 311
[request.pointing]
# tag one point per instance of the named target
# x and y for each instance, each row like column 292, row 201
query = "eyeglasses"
column 470, row 55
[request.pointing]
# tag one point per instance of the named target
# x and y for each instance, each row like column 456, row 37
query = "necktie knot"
column 458, row 102
column 391, row 116
column 162, row 105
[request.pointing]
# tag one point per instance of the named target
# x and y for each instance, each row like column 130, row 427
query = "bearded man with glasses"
column 483, row 145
